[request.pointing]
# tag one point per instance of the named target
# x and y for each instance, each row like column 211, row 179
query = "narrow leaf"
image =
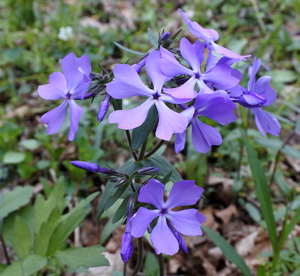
column 262, row 192
column 283, row 186
column 153, row 38
column 21, row 239
column 261, row 271
column 108, row 229
column 32, row 264
column 141, row 133
column 122, row 209
column 129, row 50
column 293, row 222
column 297, row 125
column 228, row 251
column 166, row 179
column 14, row 199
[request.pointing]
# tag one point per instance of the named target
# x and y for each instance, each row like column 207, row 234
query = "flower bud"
column 138, row 67
column 165, row 36
column 90, row 167
column 103, row 108
column 179, row 238
column 126, row 247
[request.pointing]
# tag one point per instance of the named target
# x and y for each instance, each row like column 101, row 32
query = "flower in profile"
column 217, row 107
column 259, row 94
column 163, row 237
column 209, row 36
column 219, row 75
column 69, row 86
column 127, row 83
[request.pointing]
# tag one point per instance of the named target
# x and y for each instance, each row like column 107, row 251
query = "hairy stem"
column 161, row 264
column 129, row 143
column 140, row 257
column 143, row 150
column 155, row 149
column 4, row 250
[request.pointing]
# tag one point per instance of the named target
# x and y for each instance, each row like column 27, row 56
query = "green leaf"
column 293, row 222
column 283, row 76
column 14, row 199
column 283, row 186
column 228, row 251
column 2, row 267
column 128, row 50
column 151, row 265
column 41, row 241
column 13, row 270
column 13, row 157
column 85, row 256
column 30, row 144
column 32, row 264
column 122, row 209
column 108, row 229
column 261, row 271
column 274, row 144
column 117, row 103
column 262, row 192
column 297, row 125
column 153, row 38
column 43, row 208
column 141, row 133
column 21, row 239
column 46, row 187
column 166, row 179
column 253, row 212
column 107, row 199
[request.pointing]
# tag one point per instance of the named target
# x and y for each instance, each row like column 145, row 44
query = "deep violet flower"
column 186, row 221
column 69, row 86
column 209, row 36
column 218, row 107
column 219, row 75
column 259, row 94
column 127, row 83
column 103, row 108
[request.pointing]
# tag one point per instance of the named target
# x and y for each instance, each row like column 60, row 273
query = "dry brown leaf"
column 226, row 214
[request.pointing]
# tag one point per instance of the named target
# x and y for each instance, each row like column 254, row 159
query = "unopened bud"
column 103, row 108
column 165, row 36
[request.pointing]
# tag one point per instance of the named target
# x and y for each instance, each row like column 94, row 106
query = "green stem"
column 140, row 257
column 129, row 143
column 124, row 269
column 155, row 149
column 143, row 150
column 161, row 264
column 4, row 250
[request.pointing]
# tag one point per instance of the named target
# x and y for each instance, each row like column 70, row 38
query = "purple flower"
column 69, row 86
column 127, row 83
column 259, row 94
column 138, row 67
column 219, row 75
column 187, row 221
column 126, row 245
column 218, row 107
column 209, row 36
column 103, row 108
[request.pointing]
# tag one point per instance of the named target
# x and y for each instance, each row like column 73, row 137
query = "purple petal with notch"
column 152, row 193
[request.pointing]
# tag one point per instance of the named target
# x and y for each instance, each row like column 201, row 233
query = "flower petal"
column 185, row 91
column 141, row 220
column 211, row 61
column 262, row 86
column 79, row 92
column 183, row 193
column 152, row 193
column 193, row 54
column 180, row 141
column 208, row 35
column 186, row 222
column 132, row 118
column 204, row 136
column 56, row 89
column 266, row 122
column 84, row 65
column 55, row 117
column 58, row 80
column 75, row 114
column 255, row 67
column 154, row 72
column 127, row 83
column 179, row 238
column 227, row 53
column 163, row 239
column 169, row 121
column 170, row 66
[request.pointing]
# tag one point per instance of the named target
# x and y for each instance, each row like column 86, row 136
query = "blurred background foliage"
column 36, row 34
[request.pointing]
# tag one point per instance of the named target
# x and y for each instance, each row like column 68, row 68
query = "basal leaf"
column 32, row 264
column 228, row 251
column 262, row 192
column 84, row 256
column 141, row 133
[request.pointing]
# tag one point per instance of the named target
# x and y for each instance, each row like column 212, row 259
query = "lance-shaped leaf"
column 32, row 264
column 153, row 38
column 129, row 50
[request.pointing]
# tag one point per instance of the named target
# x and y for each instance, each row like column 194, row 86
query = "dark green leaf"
column 153, row 38
column 14, row 199
column 151, row 265
column 32, row 264
column 21, row 239
column 128, row 50
column 141, row 133
column 166, row 179
column 262, row 192
column 122, row 209
column 175, row 35
column 293, row 222
column 108, row 229
column 117, row 103
column 228, row 251
column 84, row 256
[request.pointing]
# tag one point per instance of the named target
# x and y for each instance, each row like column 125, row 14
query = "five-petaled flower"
column 69, row 86
column 188, row 221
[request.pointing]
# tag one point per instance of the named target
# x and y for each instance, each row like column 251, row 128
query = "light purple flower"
column 186, row 221
column 259, row 94
column 209, row 36
column 218, row 107
column 219, row 75
column 69, row 86
column 127, row 83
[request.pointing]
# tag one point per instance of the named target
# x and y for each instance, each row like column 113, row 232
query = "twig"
column 155, row 149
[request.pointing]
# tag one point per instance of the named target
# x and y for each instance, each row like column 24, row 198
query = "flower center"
column 156, row 96
column 68, row 95
column 197, row 75
column 164, row 211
